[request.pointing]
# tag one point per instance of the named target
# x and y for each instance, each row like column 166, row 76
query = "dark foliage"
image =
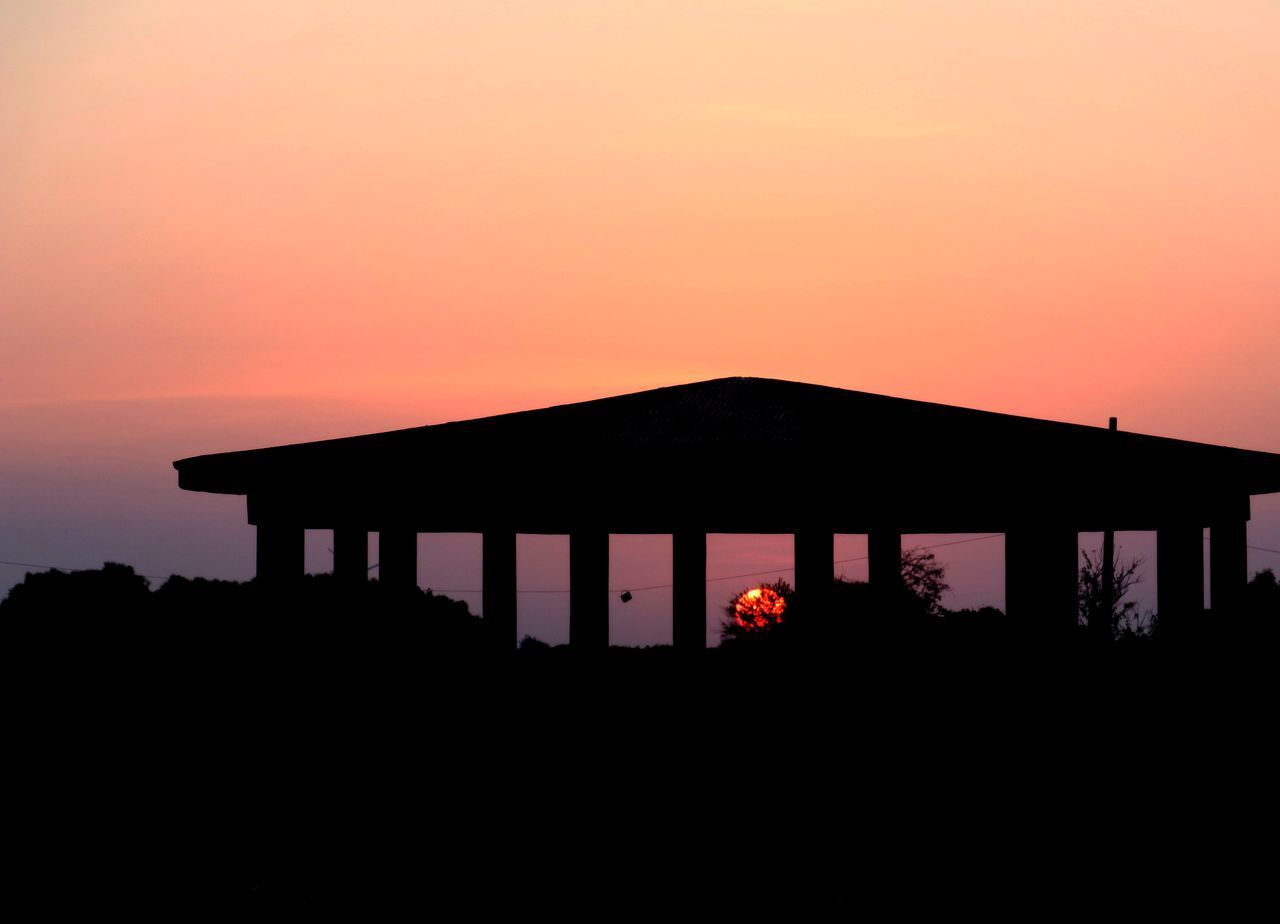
column 734, row 634
column 114, row 588
column 855, row 614
column 1093, row 601
column 1261, row 611
column 113, row 612
column 988, row 626
column 226, row 749
column 1263, row 595
column 924, row 579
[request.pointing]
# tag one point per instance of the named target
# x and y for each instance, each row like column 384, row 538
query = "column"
column 884, row 559
column 689, row 594
column 815, row 553
column 280, row 553
column 1179, row 576
column 1100, row 621
column 350, row 555
column 398, row 558
column 499, row 587
column 589, row 589
column 1041, row 577
column 1228, row 566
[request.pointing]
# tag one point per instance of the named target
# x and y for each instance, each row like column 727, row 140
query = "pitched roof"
column 719, row 415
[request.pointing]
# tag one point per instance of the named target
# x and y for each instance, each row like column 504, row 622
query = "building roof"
column 744, row 430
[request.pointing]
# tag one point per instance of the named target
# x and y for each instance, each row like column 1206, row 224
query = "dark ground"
column 320, row 766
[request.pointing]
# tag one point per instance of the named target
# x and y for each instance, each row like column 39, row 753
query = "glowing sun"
column 759, row 608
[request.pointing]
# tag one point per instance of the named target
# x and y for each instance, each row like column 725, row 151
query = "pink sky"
column 232, row 224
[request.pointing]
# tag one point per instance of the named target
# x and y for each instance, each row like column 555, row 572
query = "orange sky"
column 414, row 211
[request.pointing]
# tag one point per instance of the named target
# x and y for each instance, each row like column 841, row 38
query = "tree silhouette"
column 1118, row 614
column 756, row 614
column 1262, row 604
column 924, row 579
column 752, row 617
column 112, row 591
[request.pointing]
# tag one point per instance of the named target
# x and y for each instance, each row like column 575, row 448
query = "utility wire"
column 28, row 564
column 727, row 577
column 472, row 590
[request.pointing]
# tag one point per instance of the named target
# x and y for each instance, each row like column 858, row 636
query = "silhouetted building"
column 752, row 455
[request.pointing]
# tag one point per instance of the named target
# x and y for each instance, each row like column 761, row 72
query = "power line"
column 473, row 590
column 29, row 564
column 726, row 577
column 1254, row 548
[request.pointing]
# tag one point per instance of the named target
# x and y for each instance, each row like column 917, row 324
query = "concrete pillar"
column 689, row 593
column 1179, row 576
column 589, row 589
column 1228, row 566
column 350, row 555
column 1100, row 627
column 280, row 552
column 398, row 558
column 499, row 587
column 815, row 552
column 1100, row 619
column 1041, row 577
column 884, row 559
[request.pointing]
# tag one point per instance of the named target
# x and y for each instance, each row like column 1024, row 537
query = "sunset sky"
column 233, row 224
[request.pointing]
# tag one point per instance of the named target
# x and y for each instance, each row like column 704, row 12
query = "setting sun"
column 759, row 608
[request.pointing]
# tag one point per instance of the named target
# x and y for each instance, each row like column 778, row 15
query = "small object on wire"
column 626, row 596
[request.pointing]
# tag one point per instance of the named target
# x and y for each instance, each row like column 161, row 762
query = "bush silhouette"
column 79, row 594
column 1094, row 603
column 855, row 611
column 757, row 615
